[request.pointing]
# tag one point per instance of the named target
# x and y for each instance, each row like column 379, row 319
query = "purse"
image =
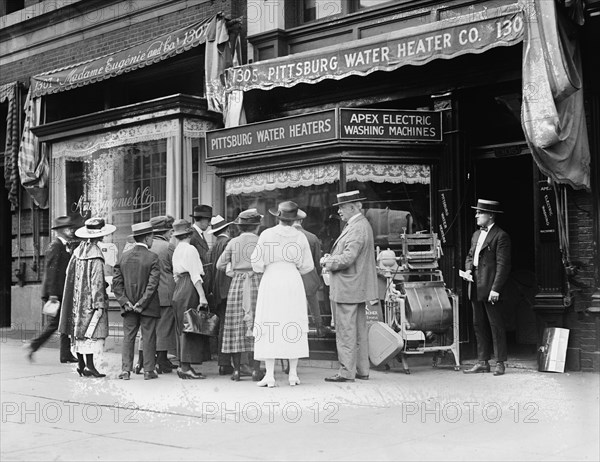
column 200, row 322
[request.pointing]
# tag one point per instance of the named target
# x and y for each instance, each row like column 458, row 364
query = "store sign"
column 123, row 61
column 547, row 212
column 471, row 33
column 394, row 125
column 446, row 213
column 273, row 134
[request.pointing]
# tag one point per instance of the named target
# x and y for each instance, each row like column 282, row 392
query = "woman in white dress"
column 281, row 322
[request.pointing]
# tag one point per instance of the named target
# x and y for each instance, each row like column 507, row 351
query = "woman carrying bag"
column 188, row 272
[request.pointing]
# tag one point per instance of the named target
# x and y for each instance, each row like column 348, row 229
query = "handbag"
column 200, row 322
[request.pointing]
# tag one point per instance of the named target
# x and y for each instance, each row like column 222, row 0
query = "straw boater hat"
column 141, row 229
column 348, row 197
column 287, row 211
column 248, row 217
column 63, row 222
column 162, row 223
column 488, row 206
column 217, row 224
column 202, row 211
column 95, row 228
column 181, row 227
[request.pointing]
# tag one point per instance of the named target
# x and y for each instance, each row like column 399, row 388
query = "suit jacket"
column 200, row 244
column 56, row 261
column 312, row 281
column 218, row 281
column 136, row 279
column 166, row 285
column 494, row 263
column 353, row 273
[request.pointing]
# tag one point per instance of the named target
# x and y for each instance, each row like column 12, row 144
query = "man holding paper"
column 135, row 284
column 487, row 269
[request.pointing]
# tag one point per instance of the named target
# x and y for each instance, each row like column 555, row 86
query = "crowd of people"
column 260, row 285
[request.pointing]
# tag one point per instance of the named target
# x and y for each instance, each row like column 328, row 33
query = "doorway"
column 509, row 180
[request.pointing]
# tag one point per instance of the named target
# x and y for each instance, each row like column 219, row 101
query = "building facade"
column 416, row 103
column 347, row 95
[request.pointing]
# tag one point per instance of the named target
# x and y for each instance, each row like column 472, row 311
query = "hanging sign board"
column 547, row 212
column 392, row 125
column 272, row 134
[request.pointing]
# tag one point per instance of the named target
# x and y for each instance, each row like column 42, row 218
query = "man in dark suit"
column 201, row 215
column 487, row 269
column 312, row 280
column 353, row 285
column 135, row 285
column 219, row 284
column 57, row 259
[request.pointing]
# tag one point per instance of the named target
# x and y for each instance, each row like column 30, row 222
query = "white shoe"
column 294, row 380
column 266, row 382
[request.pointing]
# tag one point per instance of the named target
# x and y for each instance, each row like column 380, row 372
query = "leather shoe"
column 245, row 371
column 225, row 370
column 499, row 370
column 150, row 375
column 362, row 377
column 478, row 368
column 125, row 375
column 163, row 368
column 325, row 332
column 338, row 378
column 69, row 359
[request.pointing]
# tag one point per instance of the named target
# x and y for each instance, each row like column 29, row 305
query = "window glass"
column 397, row 199
column 124, row 185
column 370, row 3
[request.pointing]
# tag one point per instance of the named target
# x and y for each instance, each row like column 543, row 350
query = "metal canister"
column 552, row 355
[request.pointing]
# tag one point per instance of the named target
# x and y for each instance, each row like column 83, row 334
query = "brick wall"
column 132, row 33
column 585, row 328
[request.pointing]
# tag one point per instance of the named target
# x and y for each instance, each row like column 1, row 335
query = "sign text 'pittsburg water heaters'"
column 329, row 125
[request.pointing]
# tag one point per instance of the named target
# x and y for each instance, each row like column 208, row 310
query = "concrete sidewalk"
column 50, row 413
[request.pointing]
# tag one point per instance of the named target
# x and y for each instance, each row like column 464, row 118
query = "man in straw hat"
column 353, row 285
column 135, row 285
column 56, row 261
column 487, row 269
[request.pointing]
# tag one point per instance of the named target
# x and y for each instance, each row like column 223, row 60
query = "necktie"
column 484, row 228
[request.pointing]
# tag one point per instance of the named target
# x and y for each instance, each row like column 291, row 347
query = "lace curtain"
column 390, row 173
column 294, row 178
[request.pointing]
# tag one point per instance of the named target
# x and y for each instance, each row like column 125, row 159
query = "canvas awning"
column 444, row 39
column 117, row 63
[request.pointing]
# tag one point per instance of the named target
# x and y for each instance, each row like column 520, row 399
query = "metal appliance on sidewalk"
column 552, row 355
column 418, row 306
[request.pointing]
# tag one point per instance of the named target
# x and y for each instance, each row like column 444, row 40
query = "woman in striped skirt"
column 241, row 300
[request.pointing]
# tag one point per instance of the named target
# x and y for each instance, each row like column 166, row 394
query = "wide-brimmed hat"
column 487, row 206
column 141, row 229
column 181, row 227
column 202, row 211
column 64, row 222
column 286, row 211
column 248, row 217
column 348, row 197
column 162, row 223
column 217, row 224
column 301, row 214
column 94, row 228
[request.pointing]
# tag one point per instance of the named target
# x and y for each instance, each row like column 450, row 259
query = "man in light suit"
column 487, row 269
column 135, row 285
column 353, row 285
column 201, row 215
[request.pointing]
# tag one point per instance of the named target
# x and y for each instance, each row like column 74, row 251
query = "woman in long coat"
column 84, row 312
column 281, row 322
column 241, row 299
column 188, row 272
